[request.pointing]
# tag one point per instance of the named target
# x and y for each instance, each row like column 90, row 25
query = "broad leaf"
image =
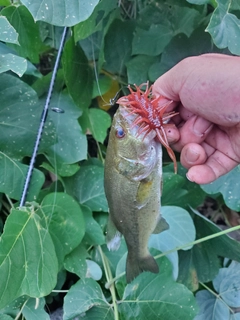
column 210, row 307
column 14, row 63
column 77, row 73
column 137, row 69
column 27, row 257
column 87, row 186
column 12, row 178
column 224, row 185
column 99, row 121
column 227, row 284
column 20, row 118
column 75, row 261
column 63, row 219
column 224, row 27
column 181, row 47
column 60, row 12
column 68, row 129
column 181, row 231
column 5, row 317
column 96, row 21
column 94, row 234
column 34, row 310
column 152, row 296
column 153, row 41
column 83, row 296
column 204, row 257
column 7, row 32
column 29, row 39
column 117, row 57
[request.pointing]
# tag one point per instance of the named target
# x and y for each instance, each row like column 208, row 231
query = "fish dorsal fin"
column 113, row 236
column 161, row 226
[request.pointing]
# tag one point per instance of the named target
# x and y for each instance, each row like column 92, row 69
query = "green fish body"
column 133, row 175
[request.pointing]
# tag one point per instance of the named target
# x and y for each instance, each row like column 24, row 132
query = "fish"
column 132, row 182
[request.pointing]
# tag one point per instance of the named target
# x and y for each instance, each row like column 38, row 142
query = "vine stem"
column 109, row 279
column 189, row 244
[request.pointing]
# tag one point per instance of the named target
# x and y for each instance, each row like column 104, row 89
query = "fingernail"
column 188, row 177
column 201, row 126
column 191, row 156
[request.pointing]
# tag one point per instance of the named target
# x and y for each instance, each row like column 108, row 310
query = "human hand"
column 206, row 92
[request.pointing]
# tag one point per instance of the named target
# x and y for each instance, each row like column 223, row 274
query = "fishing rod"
column 43, row 119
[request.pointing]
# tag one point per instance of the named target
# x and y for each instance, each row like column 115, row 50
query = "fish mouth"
column 135, row 130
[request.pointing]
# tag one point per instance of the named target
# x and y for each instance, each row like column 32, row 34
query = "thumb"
column 169, row 84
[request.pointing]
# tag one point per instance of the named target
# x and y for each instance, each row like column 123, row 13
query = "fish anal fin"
column 161, row 226
column 113, row 236
column 136, row 265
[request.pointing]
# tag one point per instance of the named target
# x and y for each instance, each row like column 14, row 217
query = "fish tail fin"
column 136, row 265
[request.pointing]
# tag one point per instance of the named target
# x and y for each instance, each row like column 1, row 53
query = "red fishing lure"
column 150, row 114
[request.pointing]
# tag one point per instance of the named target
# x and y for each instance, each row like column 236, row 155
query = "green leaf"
column 20, row 118
column 63, row 219
column 28, row 262
column 224, row 27
column 64, row 170
column 101, row 313
column 202, row 262
column 14, row 307
column 5, row 317
column 82, row 296
column 31, row 69
column 87, row 186
column 137, row 69
column 153, row 41
column 5, row 2
column 96, row 21
column 181, row 231
column 187, row 270
column 99, row 121
column 93, row 270
column 206, row 254
column 77, row 73
column 13, row 176
column 7, row 32
column 34, row 310
column 60, row 12
column 68, row 129
column 75, row 261
column 29, row 39
column 94, row 234
column 224, row 185
column 14, row 63
column 227, row 284
column 119, row 37
column 178, row 190
column 151, row 296
column 181, row 47
column 210, row 307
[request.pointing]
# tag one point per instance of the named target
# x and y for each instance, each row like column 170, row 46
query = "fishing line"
column 43, row 119
column 113, row 100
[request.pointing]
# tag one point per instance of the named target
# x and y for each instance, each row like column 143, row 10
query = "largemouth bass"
column 133, row 174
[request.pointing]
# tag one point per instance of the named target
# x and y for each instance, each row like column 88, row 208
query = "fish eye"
column 120, row 133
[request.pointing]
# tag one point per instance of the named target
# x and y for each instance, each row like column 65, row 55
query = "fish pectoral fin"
column 113, row 236
column 136, row 265
column 144, row 191
column 161, row 226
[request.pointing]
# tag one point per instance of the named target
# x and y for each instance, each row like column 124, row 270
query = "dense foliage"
column 52, row 251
